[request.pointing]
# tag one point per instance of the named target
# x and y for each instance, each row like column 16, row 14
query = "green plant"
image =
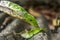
column 18, row 12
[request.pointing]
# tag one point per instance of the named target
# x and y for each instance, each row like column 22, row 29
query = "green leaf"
column 17, row 11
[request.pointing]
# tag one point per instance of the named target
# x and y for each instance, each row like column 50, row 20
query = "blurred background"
column 47, row 14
